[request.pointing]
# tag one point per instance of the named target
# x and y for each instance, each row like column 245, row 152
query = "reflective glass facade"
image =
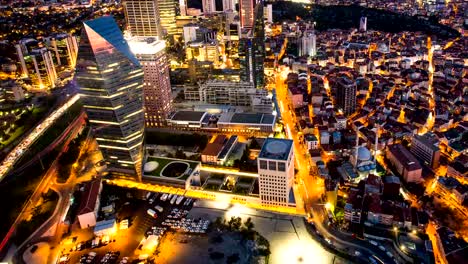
column 111, row 89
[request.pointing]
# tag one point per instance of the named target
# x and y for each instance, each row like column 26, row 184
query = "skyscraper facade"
column 252, row 50
column 209, row 6
column 167, row 15
column 246, row 13
column 142, row 17
column 308, row 45
column 229, row 5
column 156, row 87
column 346, row 95
column 110, row 79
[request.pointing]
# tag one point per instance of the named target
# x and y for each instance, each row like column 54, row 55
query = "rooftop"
column 89, row 197
column 191, row 116
column 404, row 157
column 275, row 148
column 146, row 45
column 247, row 118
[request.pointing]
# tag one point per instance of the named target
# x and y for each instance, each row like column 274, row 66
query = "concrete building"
column 110, row 79
column 246, row 13
column 183, row 7
column 405, row 163
column 233, row 93
column 346, row 95
column 268, row 13
column 217, row 151
column 46, row 63
column 167, row 16
column 363, row 24
column 156, row 86
column 276, row 171
column 203, row 51
column 89, row 204
column 190, row 32
column 229, row 5
column 308, row 44
column 143, row 18
column 209, row 6
column 311, row 141
column 241, row 123
column 426, row 148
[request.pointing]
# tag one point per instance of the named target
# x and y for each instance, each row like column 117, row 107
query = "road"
column 309, row 187
column 344, row 242
column 45, row 183
column 12, row 157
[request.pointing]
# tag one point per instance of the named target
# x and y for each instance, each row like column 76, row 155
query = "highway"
column 45, row 183
column 12, row 157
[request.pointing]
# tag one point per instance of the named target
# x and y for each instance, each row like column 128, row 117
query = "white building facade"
column 276, row 171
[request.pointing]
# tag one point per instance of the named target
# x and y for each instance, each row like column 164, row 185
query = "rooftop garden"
column 170, row 168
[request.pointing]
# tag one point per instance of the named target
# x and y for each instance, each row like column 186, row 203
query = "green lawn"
column 162, row 162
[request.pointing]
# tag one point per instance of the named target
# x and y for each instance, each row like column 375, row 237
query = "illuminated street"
column 8, row 163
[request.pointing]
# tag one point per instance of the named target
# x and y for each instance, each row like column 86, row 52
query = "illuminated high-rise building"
column 246, row 13
column 110, row 79
column 308, row 44
column 167, row 16
column 346, row 95
column 252, row 50
column 209, row 6
column 276, row 172
column 143, row 18
column 229, row 5
column 156, row 87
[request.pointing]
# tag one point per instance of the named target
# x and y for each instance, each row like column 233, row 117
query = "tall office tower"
column 183, row 7
column 346, row 95
column 156, row 86
column 268, row 13
column 143, row 18
column 167, row 15
column 246, row 13
column 111, row 89
column 64, row 48
column 229, row 5
column 363, row 24
column 209, row 6
column 246, row 58
column 308, row 45
column 259, row 46
column 276, row 171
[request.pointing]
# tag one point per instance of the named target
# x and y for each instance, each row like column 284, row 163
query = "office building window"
column 281, row 166
column 272, row 165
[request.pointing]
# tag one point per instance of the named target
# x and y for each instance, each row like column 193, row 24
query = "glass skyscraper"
column 111, row 89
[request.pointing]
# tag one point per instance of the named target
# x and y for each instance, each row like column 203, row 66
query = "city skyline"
column 153, row 131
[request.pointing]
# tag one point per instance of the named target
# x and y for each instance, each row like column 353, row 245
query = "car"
column 328, row 240
column 357, row 253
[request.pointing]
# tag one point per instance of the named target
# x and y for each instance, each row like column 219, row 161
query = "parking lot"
column 134, row 225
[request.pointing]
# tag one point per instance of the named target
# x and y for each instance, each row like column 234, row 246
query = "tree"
column 248, row 224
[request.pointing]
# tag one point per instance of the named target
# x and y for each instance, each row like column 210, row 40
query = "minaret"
column 376, row 141
column 356, row 151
